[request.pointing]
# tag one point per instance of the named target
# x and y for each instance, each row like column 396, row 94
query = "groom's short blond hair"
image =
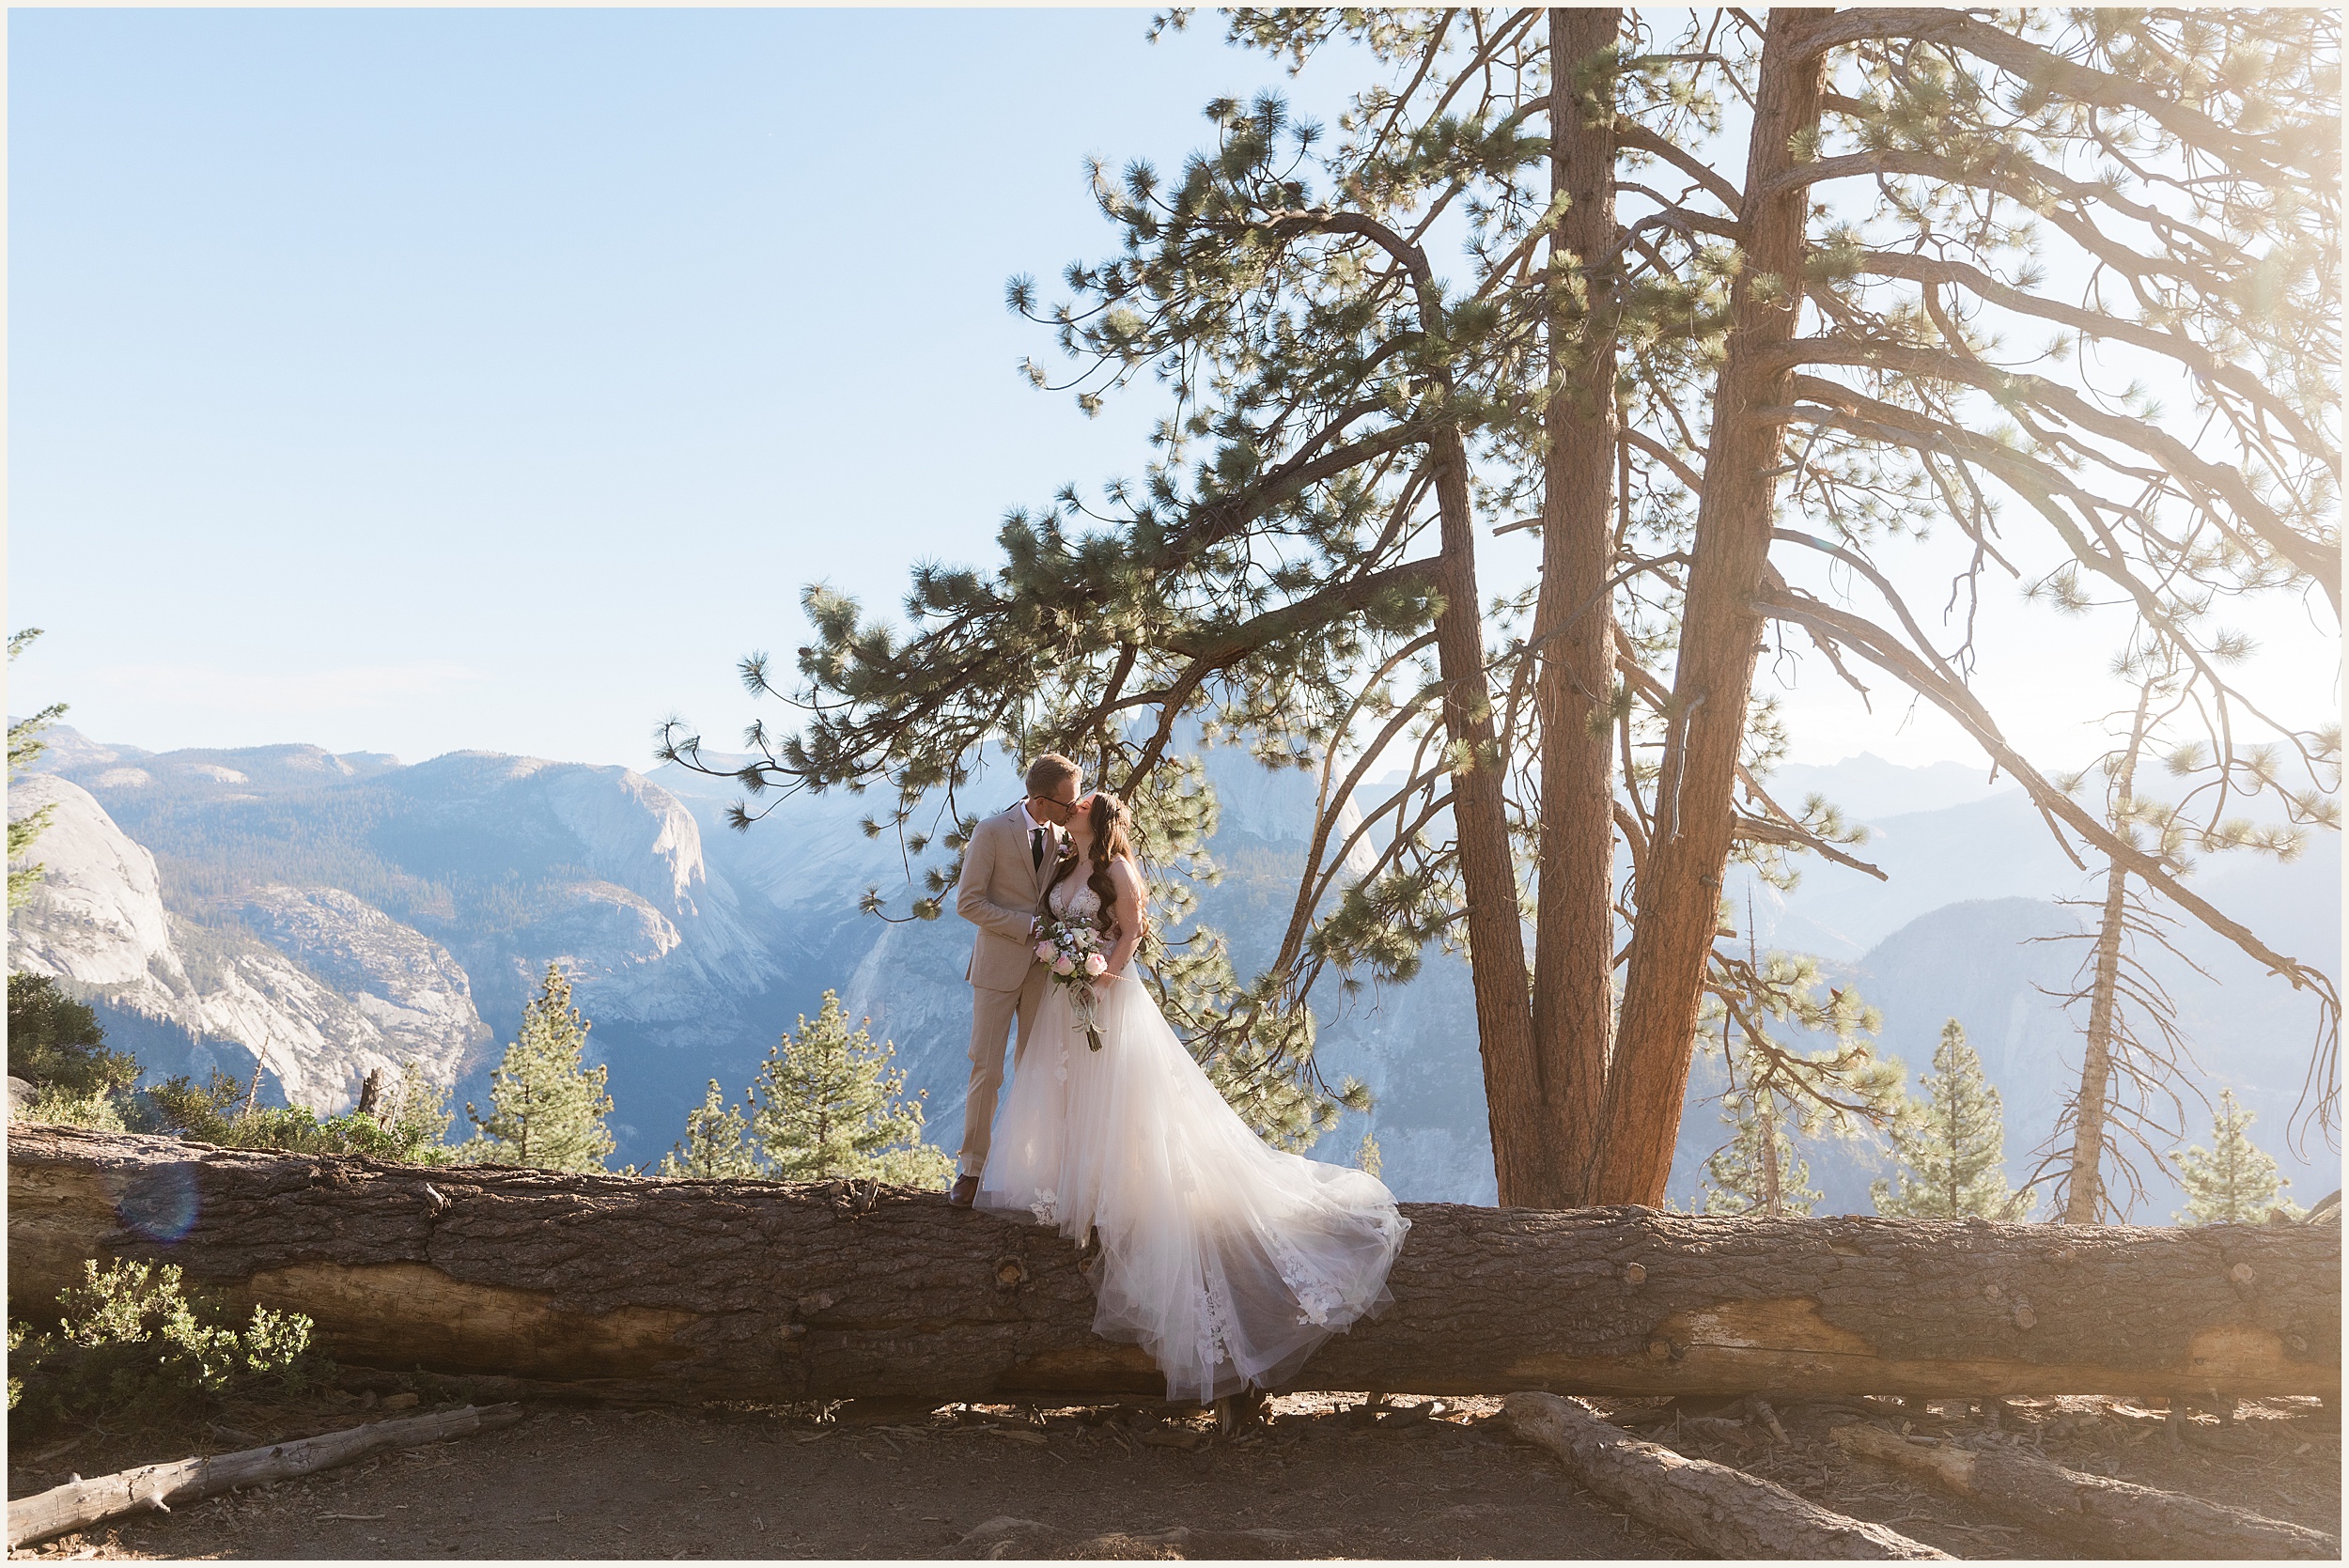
column 1050, row 771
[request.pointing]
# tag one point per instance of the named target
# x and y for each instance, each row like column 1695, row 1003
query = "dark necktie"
column 1036, row 846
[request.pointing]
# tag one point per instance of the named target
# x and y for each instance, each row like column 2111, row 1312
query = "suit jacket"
column 1001, row 889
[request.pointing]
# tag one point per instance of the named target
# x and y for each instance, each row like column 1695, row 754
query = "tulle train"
column 1228, row 1261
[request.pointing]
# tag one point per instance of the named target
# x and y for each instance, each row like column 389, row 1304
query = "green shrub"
column 408, row 1131
column 62, row 1107
column 180, row 1106
column 134, row 1343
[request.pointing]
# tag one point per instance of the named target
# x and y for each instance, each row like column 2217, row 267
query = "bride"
column 1228, row 1261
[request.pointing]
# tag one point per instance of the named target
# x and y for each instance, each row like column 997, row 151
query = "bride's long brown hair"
column 1112, row 838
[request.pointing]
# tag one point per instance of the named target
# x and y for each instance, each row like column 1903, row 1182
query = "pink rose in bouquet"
column 1073, row 951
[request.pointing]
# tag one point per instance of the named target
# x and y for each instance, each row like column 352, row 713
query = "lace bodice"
column 1072, row 899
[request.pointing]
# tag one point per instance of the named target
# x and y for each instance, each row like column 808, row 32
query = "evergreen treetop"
column 548, row 1107
column 1951, row 1148
column 827, row 1103
column 2233, row 1181
column 1758, row 1171
column 715, row 1146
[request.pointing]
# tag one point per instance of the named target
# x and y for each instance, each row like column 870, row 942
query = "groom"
column 1004, row 868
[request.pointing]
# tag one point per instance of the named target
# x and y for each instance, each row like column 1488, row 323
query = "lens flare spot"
column 159, row 1204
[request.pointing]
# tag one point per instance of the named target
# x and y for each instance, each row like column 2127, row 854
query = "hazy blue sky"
column 409, row 380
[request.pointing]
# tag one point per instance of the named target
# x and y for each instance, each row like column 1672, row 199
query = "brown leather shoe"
column 966, row 1190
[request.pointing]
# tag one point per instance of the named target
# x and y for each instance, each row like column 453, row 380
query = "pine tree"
column 1368, row 1159
column 1775, row 1093
column 24, row 746
column 548, row 1107
column 827, row 1103
column 1952, row 1148
column 1757, row 1171
column 2133, row 1053
column 2233, row 1181
column 1777, row 375
column 715, row 1145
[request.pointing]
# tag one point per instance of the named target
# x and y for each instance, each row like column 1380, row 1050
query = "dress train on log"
column 1228, row 1261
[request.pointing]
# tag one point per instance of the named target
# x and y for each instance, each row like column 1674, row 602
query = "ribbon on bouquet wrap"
column 1083, row 999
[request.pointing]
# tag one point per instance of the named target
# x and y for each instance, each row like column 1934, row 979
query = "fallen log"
column 2115, row 1518
column 1710, row 1506
column 79, row 1504
column 681, row 1290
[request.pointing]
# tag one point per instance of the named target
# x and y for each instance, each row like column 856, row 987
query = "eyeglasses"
column 1051, row 811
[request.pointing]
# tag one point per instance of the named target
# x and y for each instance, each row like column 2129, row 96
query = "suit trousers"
column 991, row 1015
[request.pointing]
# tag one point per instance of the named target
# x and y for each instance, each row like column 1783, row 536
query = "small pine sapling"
column 548, row 1107
column 2233, row 1181
column 827, row 1103
column 1951, row 1148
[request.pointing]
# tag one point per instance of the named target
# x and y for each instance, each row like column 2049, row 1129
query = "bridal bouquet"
column 1073, row 949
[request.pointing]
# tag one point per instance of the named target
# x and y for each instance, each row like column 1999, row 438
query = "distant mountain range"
column 333, row 913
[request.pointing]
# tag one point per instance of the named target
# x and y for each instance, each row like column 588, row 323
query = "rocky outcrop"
column 408, row 988
column 648, row 933
column 313, row 984
column 97, row 915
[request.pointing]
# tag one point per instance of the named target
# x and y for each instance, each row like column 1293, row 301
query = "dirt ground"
column 1322, row 1476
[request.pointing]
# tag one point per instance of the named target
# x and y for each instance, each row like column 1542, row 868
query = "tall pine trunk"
column 2085, row 1188
column 1574, row 625
column 1504, row 1014
column 1719, row 640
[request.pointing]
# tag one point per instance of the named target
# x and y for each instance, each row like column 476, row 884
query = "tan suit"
column 1001, row 890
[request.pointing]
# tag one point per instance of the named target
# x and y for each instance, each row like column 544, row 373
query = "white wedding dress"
column 1227, row 1260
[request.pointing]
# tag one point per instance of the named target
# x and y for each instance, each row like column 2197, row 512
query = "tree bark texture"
column 1720, row 635
column 681, row 1290
column 1574, row 622
column 1488, row 877
column 2115, row 1518
column 2084, row 1193
column 1713, row 1507
column 79, row 1504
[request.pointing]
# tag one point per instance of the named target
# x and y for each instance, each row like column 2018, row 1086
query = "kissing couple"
column 1228, row 1261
